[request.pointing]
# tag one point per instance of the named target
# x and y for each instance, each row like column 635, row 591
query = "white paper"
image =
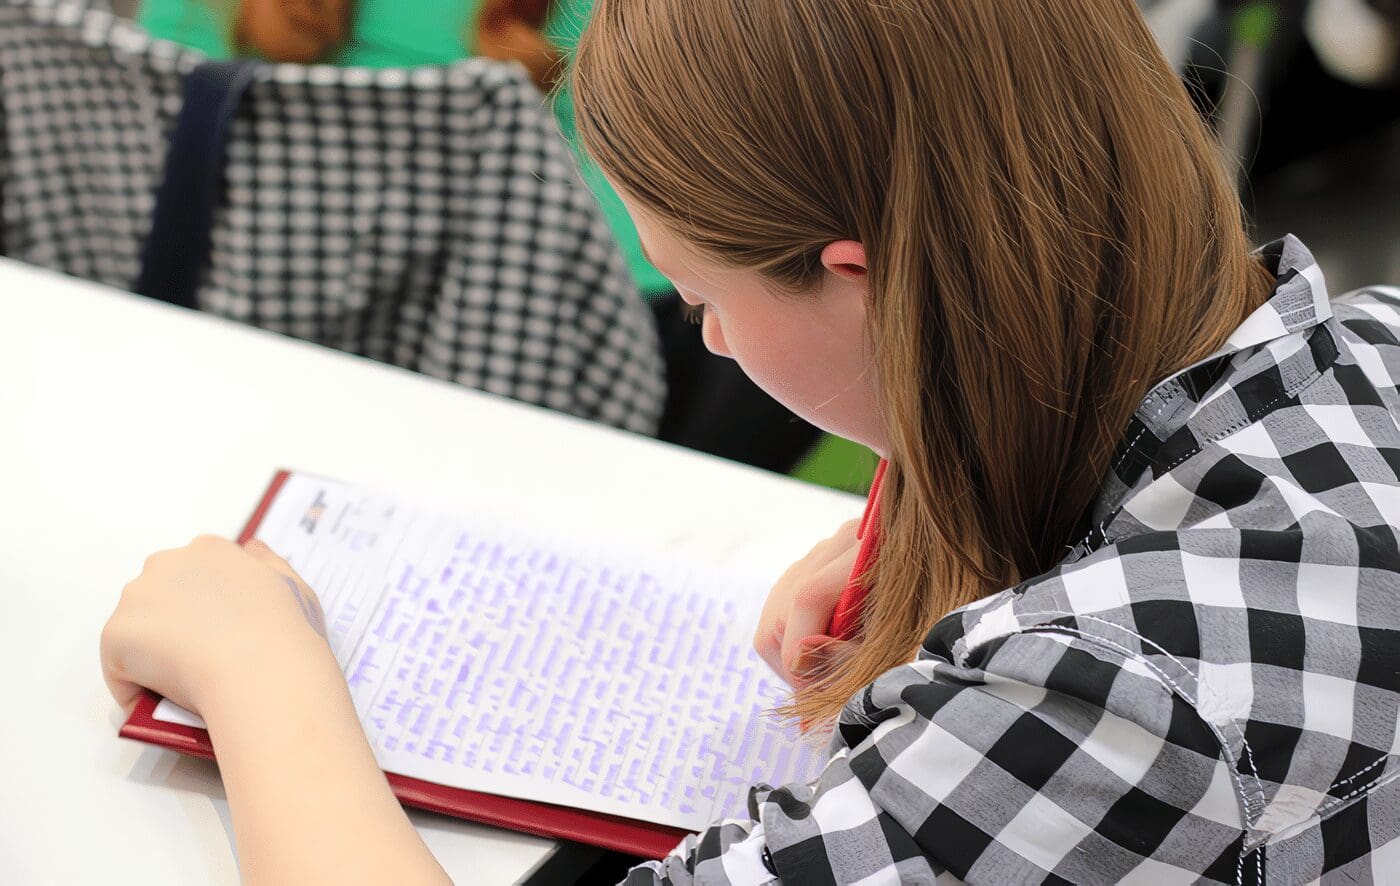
column 502, row 661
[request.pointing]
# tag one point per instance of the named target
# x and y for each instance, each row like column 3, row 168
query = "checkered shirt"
column 431, row 218
column 1207, row 688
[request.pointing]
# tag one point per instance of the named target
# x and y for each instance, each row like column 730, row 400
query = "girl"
column 1151, row 473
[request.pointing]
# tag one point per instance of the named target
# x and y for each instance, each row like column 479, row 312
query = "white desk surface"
column 128, row 426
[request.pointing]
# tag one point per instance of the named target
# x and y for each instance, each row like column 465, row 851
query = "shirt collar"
column 1298, row 302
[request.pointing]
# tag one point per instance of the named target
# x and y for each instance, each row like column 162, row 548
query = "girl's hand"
column 233, row 634
column 209, row 618
column 798, row 610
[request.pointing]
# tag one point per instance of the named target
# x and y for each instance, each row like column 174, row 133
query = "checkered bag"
column 430, row 218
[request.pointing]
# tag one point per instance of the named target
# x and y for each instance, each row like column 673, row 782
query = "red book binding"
column 613, row 832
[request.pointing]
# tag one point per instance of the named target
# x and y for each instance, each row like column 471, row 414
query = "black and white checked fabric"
column 430, row 218
column 1206, row 689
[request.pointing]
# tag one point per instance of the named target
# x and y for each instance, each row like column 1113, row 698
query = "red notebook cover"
column 613, row 832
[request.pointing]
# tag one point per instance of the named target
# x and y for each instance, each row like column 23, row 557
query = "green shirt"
column 566, row 24
column 406, row 33
column 384, row 34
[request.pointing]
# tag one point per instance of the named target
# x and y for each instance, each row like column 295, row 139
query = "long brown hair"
column 1049, row 228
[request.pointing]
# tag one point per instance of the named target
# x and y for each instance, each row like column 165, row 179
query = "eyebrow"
column 646, row 255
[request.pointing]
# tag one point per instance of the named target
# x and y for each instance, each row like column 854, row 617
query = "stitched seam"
column 1156, row 415
column 1129, row 451
column 1360, row 772
column 1380, row 779
column 1292, row 390
column 1224, row 746
column 1249, row 753
column 1251, row 417
column 1371, row 785
column 1132, row 444
column 1103, row 529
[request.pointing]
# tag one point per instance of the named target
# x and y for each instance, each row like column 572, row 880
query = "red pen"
column 846, row 616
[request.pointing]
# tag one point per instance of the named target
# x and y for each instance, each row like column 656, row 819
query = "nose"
column 713, row 336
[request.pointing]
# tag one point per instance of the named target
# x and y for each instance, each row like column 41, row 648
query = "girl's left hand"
column 210, row 618
column 234, row 635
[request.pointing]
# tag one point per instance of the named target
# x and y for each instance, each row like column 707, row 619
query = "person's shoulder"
column 1097, row 595
column 1127, row 614
column 1375, row 294
column 1369, row 315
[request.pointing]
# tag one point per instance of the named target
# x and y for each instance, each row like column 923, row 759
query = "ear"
column 845, row 259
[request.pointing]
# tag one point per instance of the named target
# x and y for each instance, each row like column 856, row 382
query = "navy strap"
column 177, row 249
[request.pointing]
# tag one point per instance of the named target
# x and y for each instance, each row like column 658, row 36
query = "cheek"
column 820, row 377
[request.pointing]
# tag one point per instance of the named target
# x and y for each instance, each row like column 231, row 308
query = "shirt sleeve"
column 1056, row 757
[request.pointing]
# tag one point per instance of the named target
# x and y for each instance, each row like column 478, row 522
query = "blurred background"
column 1318, row 125
column 1305, row 95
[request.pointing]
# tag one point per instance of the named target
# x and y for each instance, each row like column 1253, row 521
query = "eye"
column 693, row 313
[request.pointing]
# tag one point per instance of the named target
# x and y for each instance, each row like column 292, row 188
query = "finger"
column 305, row 597
column 125, row 692
column 775, row 607
column 812, row 607
column 806, row 657
column 769, row 648
column 841, row 544
column 848, row 530
column 816, row 649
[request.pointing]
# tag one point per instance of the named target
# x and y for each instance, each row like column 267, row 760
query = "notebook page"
column 505, row 661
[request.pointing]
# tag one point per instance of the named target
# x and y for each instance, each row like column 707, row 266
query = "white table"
column 128, row 426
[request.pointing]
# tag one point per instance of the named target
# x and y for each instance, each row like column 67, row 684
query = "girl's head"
column 969, row 233
column 290, row 32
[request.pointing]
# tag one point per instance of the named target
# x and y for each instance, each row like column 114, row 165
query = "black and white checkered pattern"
column 431, row 218
column 1207, row 689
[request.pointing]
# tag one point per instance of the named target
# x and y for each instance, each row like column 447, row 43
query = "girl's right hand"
column 798, row 611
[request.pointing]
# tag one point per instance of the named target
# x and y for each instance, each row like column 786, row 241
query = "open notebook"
column 516, row 679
